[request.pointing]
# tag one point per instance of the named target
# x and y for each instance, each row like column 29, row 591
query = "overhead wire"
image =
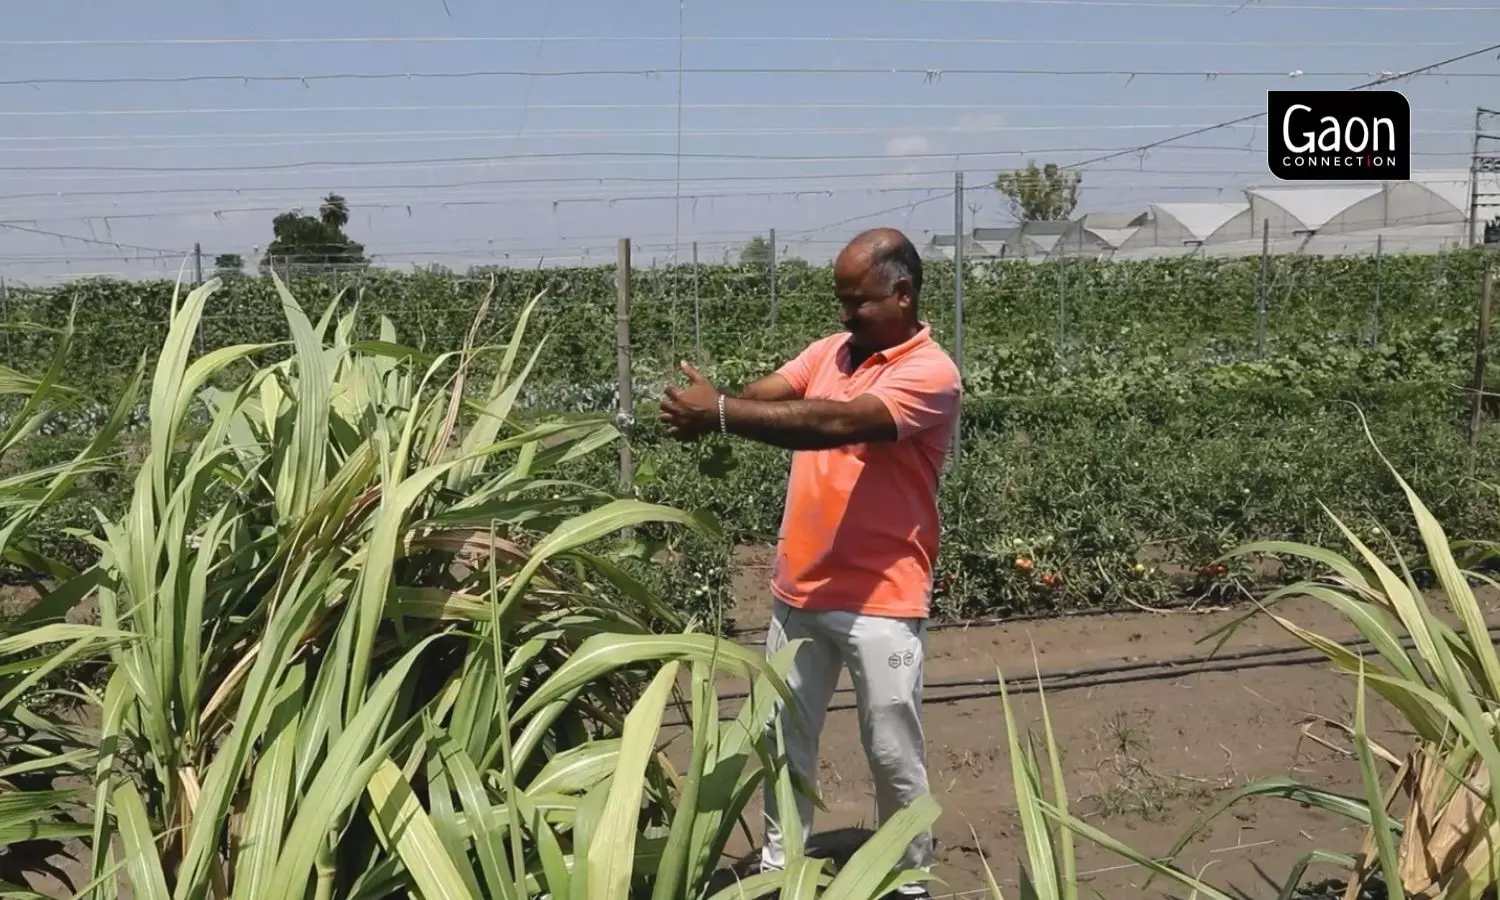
column 238, row 139
column 932, row 73
column 904, row 207
column 250, row 40
column 375, row 202
column 579, row 134
column 1430, row 67
column 621, row 107
column 489, row 249
column 708, row 181
column 632, row 106
column 373, row 198
column 878, row 39
column 81, row 239
column 511, row 159
column 308, row 166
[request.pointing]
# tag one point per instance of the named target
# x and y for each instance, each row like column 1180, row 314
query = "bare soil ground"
column 1142, row 758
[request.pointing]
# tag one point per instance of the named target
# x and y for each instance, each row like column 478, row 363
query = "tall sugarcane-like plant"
column 38, row 647
column 1430, row 809
column 374, row 647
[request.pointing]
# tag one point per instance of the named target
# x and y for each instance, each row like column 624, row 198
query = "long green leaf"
column 341, row 779
column 484, row 824
column 874, row 863
column 142, row 861
column 271, row 791
column 406, row 825
column 1380, row 824
column 1294, row 878
column 1279, row 786
column 611, row 852
column 1095, row 836
column 675, row 869
column 303, row 477
column 584, row 529
column 1038, row 837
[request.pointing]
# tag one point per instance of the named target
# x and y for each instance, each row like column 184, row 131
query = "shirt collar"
column 891, row 354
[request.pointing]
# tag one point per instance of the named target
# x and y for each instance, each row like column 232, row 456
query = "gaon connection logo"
column 1339, row 135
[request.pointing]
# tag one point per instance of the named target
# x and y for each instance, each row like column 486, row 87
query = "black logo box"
column 1338, row 135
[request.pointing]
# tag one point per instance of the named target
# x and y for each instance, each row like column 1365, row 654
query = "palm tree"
column 334, row 212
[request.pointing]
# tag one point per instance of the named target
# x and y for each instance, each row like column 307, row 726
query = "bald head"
column 886, row 254
column 877, row 277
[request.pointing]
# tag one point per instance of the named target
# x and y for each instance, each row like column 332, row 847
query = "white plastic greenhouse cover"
column 1453, row 186
column 1311, row 207
column 1427, row 214
column 1098, row 234
column 1178, row 227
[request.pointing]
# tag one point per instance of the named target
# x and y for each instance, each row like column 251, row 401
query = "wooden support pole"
column 626, row 409
column 1481, row 351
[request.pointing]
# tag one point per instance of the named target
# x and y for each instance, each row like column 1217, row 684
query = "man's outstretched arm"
column 810, row 424
column 773, row 388
column 908, row 401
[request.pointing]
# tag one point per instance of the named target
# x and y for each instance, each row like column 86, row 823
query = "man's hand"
column 693, row 411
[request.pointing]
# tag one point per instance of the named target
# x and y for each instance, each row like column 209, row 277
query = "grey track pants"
column 885, row 659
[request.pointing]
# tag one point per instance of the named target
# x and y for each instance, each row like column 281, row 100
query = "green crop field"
column 1122, row 425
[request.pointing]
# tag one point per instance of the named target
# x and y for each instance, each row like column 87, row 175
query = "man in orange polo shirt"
column 870, row 414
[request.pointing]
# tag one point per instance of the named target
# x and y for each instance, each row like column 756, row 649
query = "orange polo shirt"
column 860, row 531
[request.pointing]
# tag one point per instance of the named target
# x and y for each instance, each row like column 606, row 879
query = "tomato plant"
column 1121, row 428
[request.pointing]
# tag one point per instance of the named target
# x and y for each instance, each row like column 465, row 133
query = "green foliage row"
column 1121, row 458
column 1088, row 488
column 1176, row 310
column 1130, row 501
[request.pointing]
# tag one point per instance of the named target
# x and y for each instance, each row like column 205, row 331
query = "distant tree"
column 792, row 269
column 1048, row 194
column 756, row 253
column 334, row 212
column 317, row 243
column 228, row 265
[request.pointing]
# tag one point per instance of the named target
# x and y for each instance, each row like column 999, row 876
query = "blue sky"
column 466, row 170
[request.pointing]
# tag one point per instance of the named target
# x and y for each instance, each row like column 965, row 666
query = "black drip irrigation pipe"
column 1091, row 612
column 1099, row 676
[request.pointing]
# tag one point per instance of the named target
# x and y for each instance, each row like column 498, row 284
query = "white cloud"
column 907, row 145
column 912, row 147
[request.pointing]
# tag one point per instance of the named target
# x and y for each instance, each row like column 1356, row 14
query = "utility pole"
column 626, row 409
column 697, row 311
column 1481, row 353
column 773, row 278
column 1263, row 288
column 1375, row 315
column 1474, row 177
column 958, row 299
column 1479, row 165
